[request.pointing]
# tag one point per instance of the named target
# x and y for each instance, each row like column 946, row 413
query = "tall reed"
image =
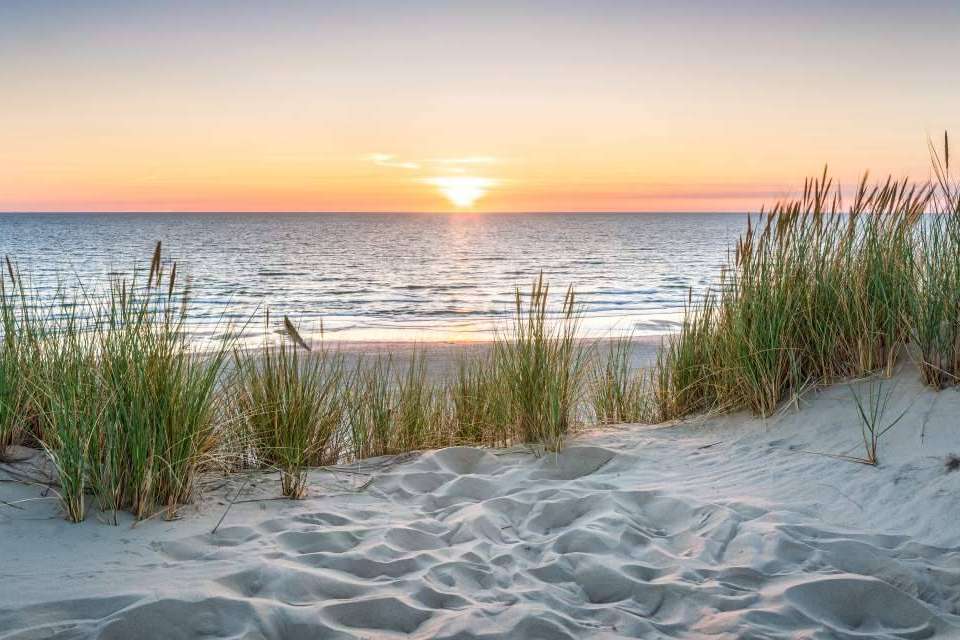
column 25, row 322
column 164, row 393
column 682, row 378
column 419, row 414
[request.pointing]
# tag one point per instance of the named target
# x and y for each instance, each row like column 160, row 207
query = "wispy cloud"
column 388, row 160
column 449, row 165
column 466, row 160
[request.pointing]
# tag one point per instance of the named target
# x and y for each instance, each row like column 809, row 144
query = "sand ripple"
column 463, row 543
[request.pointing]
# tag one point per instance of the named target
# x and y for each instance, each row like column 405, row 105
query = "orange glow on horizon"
column 436, row 107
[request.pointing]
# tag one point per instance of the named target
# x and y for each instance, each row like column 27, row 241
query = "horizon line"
column 399, row 212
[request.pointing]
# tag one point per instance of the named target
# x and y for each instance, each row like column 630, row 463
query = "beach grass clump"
column 107, row 382
column 526, row 389
column 289, row 401
column 24, row 323
column 540, row 363
column 479, row 403
column 935, row 313
column 371, row 404
column 126, row 406
column 420, row 412
column 13, row 390
column 394, row 408
column 681, row 378
column 70, row 390
column 618, row 392
column 164, row 395
column 813, row 293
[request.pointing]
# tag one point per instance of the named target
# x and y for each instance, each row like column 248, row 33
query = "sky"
column 368, row 105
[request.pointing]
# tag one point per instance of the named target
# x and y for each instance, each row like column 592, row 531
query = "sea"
column 392, row 277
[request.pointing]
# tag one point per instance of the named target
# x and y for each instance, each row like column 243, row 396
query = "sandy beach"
column 479, row 320
column 726, row 526
column 442, row 358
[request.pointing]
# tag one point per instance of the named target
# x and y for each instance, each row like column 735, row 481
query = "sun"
column 462, row 191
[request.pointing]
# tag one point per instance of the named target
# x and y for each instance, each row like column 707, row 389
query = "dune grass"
column 540, row 363
column 420, row 412
column 75, row 412
column 393, row 407
column 13, row 392
column 935, row 312
column 479, row 403
column 164, row 395
column 526, row 390
column 288, row 400
column 109, row 385
column 618, row 392
column 371, row 407
column 874, row 419
column 816, row 292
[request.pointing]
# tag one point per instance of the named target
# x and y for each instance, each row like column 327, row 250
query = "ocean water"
column 391, row 276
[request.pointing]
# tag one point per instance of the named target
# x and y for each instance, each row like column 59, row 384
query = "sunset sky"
column 439, row 106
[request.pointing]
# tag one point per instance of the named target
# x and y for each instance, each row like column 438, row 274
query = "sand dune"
column 719, row 527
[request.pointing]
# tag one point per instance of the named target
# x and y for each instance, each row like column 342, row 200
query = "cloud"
column 388, row 160
column 466, row 160
column 459, row 165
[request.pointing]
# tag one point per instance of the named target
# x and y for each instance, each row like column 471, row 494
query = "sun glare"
column 462, row 191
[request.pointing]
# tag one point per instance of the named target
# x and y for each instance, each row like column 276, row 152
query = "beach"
column 724, row 526
column 479, row 321
column 443, row 358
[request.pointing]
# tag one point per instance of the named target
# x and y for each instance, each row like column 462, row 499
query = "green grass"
column 817, row 292
column 289, row 402
column 479, row 404
column 419, row 413
column 540, row 365
column 109, row 385
column 935, row 312
column 526, row 389
column 371, row 405
column 874, row 419
column 74, row 413
column 394, row 408
column 164, row 394
column 13, row 391
column 130, row 412
column 618, row 392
